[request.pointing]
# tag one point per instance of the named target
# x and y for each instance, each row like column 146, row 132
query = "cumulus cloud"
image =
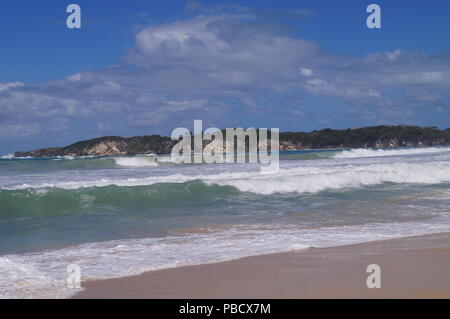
column 221, row 53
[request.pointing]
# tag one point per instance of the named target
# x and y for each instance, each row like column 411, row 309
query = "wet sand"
column 415, row 267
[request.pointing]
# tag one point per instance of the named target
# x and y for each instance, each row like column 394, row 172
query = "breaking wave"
column 136, row 161
column 292, row 180
column 78, row 163
column 8, row 162
column 362, row 152
column 304, row 181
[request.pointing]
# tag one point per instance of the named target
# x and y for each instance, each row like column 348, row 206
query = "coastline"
column 411, row 267
column 377, row 137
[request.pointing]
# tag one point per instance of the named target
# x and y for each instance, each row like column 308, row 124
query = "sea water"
column 122, row 216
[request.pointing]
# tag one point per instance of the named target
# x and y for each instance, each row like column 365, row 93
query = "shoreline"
column 411, row 267
column 11, row 156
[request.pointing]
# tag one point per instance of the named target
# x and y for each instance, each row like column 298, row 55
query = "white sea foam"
column 43, row 274
column 308, row 179
column 8, row 156
column 136, row 161
column 12, row 156
column 66, row 157
column 314, row 181
column 165, row 159
column 355, row 153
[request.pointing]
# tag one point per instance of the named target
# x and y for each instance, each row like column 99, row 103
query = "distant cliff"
column 108, row 146
column 365, row 137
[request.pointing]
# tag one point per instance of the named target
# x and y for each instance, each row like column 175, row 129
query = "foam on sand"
column 43, row 274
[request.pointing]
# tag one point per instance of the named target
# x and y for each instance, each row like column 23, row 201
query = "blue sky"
column 142, row 67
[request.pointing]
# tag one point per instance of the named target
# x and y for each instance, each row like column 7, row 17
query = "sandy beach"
column 414, row 267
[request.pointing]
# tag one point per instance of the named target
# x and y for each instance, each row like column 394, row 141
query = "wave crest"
column 362, row 152
column 135, row 162
column 292, row 180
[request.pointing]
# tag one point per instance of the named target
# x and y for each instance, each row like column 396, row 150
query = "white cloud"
column 220, row 52
column 104, row 88
column 19, row 130
column 75, row 77
column 6, row 86
column 306, row 72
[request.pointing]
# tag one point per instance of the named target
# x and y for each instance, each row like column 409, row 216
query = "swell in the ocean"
column 308, row 179
column 46, row 202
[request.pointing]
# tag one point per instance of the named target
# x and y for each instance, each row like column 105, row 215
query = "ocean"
column 122, row 216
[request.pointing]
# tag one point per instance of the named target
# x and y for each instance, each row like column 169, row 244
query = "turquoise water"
column 125, row 215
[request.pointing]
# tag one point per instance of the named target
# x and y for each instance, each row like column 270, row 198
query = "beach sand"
column 415, row 267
